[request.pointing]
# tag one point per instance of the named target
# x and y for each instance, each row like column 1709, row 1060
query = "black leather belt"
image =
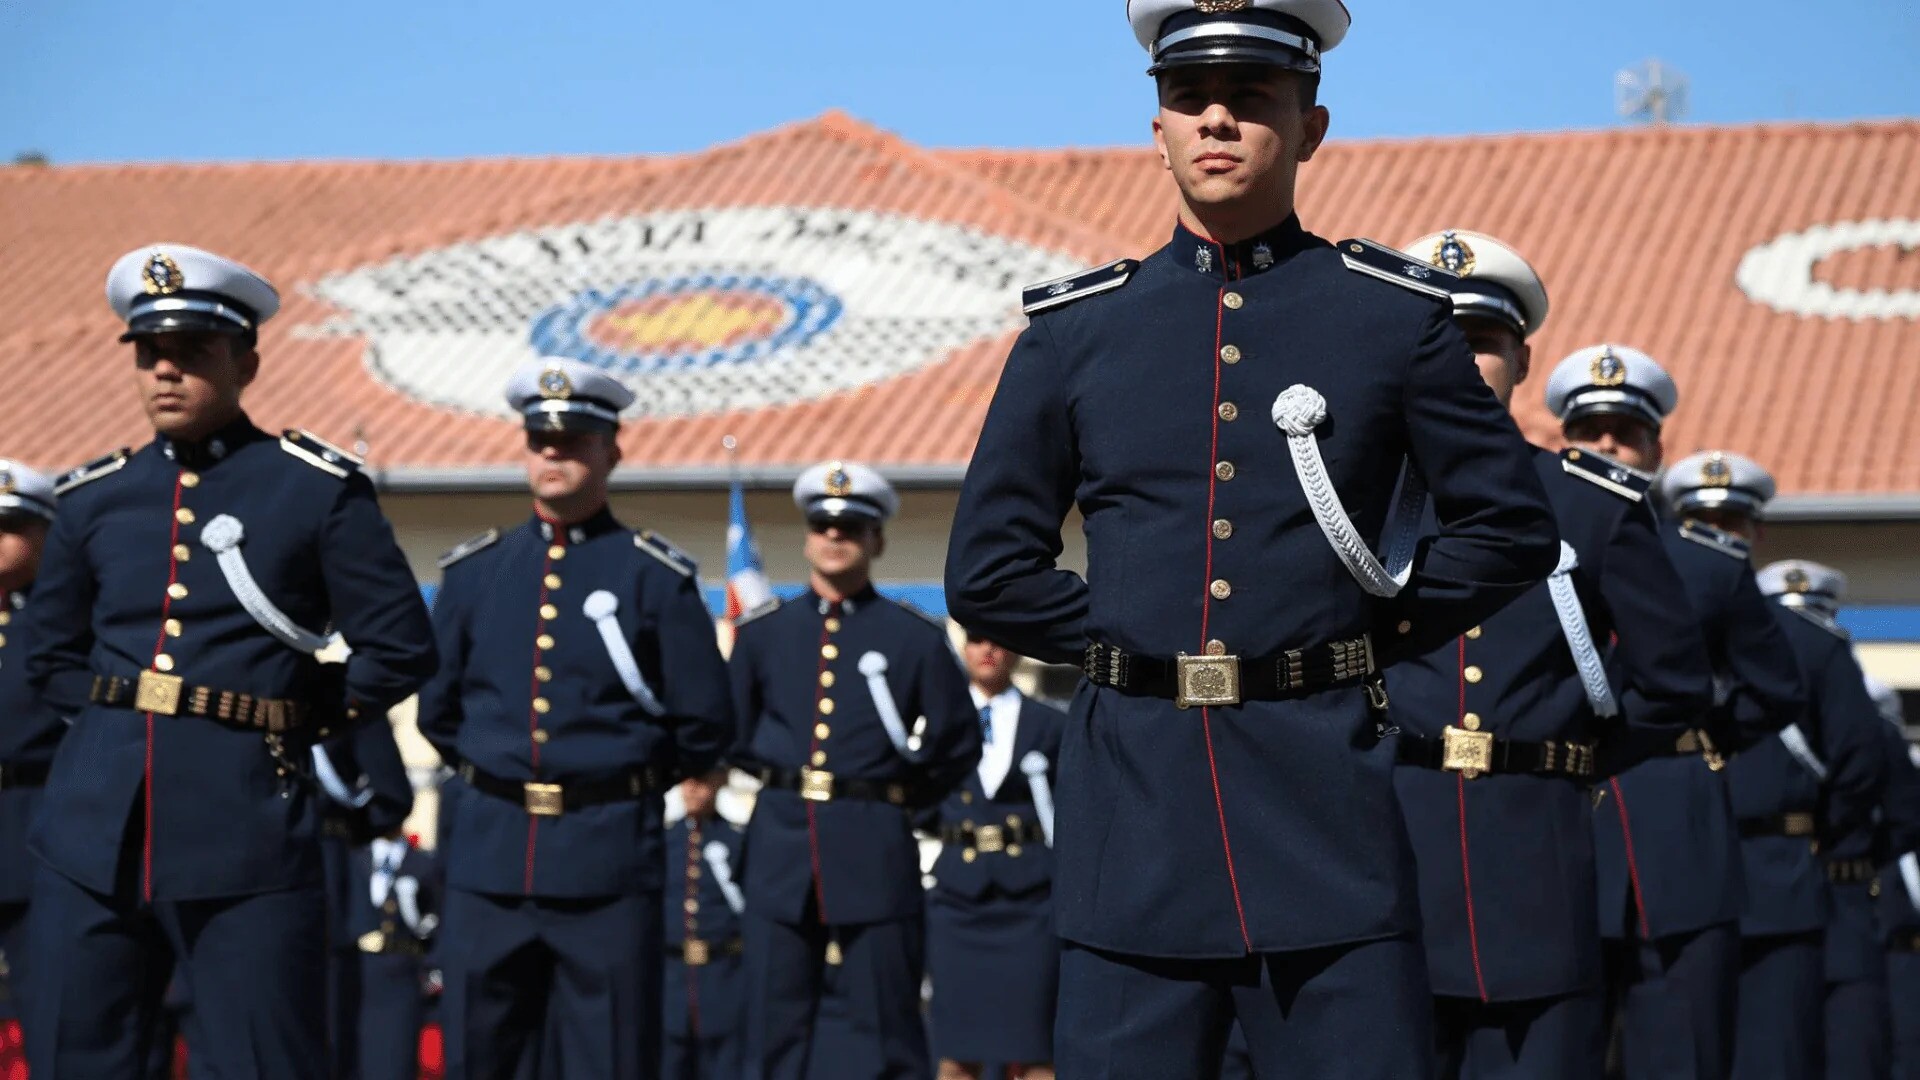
column 552, row 800
column 1229, row 680
column 1792, row 823
column 819, row 785
column 695, row 952
column 1696, row 741
column 25, row 775
column 1852, row 871
column 991, row 838
column 1476, row 753
column 169, row 695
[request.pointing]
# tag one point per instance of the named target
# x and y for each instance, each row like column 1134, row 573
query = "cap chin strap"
column 1297, row 412
column 1573, row 626
column 223, row 536
column 600, row 608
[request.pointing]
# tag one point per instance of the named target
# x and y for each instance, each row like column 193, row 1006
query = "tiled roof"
column 1722, row 251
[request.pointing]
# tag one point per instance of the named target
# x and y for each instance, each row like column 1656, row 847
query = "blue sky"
column 111, row 80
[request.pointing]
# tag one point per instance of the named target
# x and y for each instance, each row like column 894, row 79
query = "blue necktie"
column 986, row 724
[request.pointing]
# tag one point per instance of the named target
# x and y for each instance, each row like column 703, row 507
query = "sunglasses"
column 847, row 527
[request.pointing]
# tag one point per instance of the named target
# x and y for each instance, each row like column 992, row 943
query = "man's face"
column 699, row 792
column 22, row 538
column 1627, row 439
column 1502, row 356
column 1736, row 522
column 989, row 665
column 843, row 545
column 190, row 381
column 561, row 464
column 1235, row 132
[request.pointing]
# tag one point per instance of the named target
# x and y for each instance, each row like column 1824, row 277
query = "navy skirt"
column 995, row 968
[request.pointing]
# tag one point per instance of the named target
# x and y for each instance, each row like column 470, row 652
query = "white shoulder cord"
column 223, row 536
column 1573, row 624
column 1297, row 412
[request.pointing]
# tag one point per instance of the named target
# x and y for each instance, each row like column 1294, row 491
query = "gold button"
column 540, row 736
column 174, row 627
column 3, row 641
column 548, row 611
column 163, row 662
column 830, row 651
column 692, row 905
column 1230, row 354
column 966, row 797
column 183, row 515
column 694, row 871
column 556, row 552
column 826, row 678
column 821, row 731
column 1220, row 589
column 1232, row 300
column 543, row 673
column 826, row 706
column 189, row 479
column 1405, row 627
column 819, row 757
column 552, row 581
column 1473, row 673
column 1222, row 529
column 1216, row 647
column 1229, row 411
column 6, row 617
column 545, row 641
column 1224, row 470
column 1474, row 634
column 968, row 855
column 1471, row 721
column 833, row 626
column 542, row 705
column 1013, row 851
column 177, row 591
column 182, row 553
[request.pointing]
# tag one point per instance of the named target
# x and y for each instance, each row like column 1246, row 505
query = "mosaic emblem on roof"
column 1780, row 272
column 697, row 311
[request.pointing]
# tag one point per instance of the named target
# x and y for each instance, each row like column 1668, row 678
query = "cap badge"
column 6, row 481
column 839, row 484
column 1797, row 581
column 1203, row 259
column 1216, row 7
column 1262, row 256
column 1452, row 253
column 161, row 276
column 1607, row 370
column 554, row 383
column 1715, row 472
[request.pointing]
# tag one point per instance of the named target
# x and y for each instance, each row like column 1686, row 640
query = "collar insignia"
column 1203, row 259
column 1262, row 256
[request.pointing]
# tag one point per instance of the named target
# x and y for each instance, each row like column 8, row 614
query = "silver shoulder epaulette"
column 1823, row 621
column 1718, row 539
column 320, row 453
column 661, row 548
column 1062, row 291
column 1623, row 480
column 105, row 465
column 469, row 546
column 760, row 612
column 1380, row 261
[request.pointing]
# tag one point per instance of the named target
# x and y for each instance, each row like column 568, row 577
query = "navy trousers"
column 1903, row 995
column 584, row 973
column 1782, row 983
column 693, row 1057
column 393, row 1006
column 1678, row 998
column 882, row 1038
column 1859, row 1042
column 1562, row 1038
column 254, row 965
column 1356, row 1012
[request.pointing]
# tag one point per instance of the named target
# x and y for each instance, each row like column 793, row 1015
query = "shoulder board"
column 1625, row 481
column 760, row 612
column 936, row 621
column 1718, row 539
column 469, row 546
column 320, row 453
column 105, row 465
column 1062, row 291
column 1380, row 261
column 1831, row 626
column 661, row 548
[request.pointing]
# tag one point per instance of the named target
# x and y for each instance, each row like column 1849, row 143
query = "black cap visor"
column 1244, row 37
column 576, row 415
column 1619, row 401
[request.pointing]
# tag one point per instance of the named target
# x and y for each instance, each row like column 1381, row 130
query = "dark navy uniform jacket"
column 1786, row 885
column 1016, row 870
column 702, row 1000
column 1523, row 927
column 1899, row 836
column 30, row 732
column 527, row 691
column 1272, row 825
column 367, row 761
column 127, row 585
column 1666, row 840
column 803, row 702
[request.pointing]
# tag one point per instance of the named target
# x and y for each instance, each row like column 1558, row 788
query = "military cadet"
column 1899, row 889
column 990, row 943
column 29, row 730
column 1501, row 728
column 579, row 678
column 703, row 996
column 177, row 616
column 1230, row 416
column 394, row 918
column 831, row 689
column 1670, row 897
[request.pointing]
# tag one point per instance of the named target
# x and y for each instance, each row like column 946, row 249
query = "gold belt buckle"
column 157, row 692
column 1206, row 681
column 816, row 785
column 544, row 800
column 1469, row 753
column 696, row 952
column 989, row 838
column 1798, row 823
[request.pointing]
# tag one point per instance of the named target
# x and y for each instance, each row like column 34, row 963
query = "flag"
column 747, row 586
